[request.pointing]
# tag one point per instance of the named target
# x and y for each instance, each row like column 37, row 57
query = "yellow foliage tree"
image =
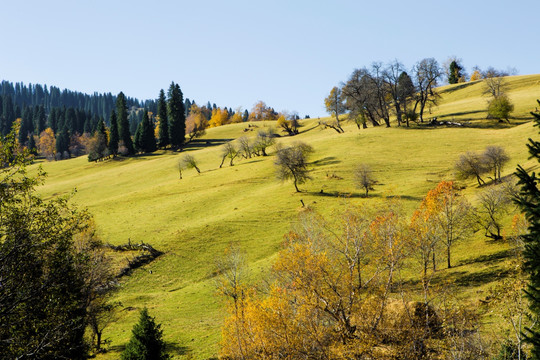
column 219, row 117
column 476, row 75
column 47, row 143
column 196, row 122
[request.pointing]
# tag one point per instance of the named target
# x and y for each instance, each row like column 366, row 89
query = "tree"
column 176, row 115
column 45, row 274
column 146, row 341
column 163, row 136
column 528, row 200
column 406, row 92
column 288, row 125
column 124, row 134
column 196, row 122
column 493, row 205
column 245, row 147
column 452, row 214
column 471, row 164
column 495, row 157
column 97, row 147
column 47, row 144
column 476, row 75
column 291, row 163
column 265, row 139
column 500, row 108
column 188, row 161
column 426, row 72
column 144, row 138
column 363, row 176
column 114, row 138
column 394, row 78
column 228, row 151
column 455, row 72
column 335, row 106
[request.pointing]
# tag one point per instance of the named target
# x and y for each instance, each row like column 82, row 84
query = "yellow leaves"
column 47, row 143
column 219, row 117
column 476, row 76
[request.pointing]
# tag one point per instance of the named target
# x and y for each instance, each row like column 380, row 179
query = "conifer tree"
column 529, row 201
column 32, row 144
column 8, row 115
column 123, row 122
column 113, row 136
column 176, row 115
column 163, row 140
column 147, row 134
column 26, row 128
column 146, row 341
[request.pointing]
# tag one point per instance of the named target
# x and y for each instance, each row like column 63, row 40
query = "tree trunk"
column 448, row 256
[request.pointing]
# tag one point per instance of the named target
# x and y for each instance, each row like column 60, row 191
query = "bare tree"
column 493, row 205
column 265, row 139
column 291, row 163
column 228, row 151
column 469, row 165
column 392, row 75
column 245, row 147
column 188, row 161
column 427, row 72
column 495, row 157
column 363, row 176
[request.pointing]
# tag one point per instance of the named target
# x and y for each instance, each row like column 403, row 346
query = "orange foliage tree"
column 47, row 143
column 196, row 122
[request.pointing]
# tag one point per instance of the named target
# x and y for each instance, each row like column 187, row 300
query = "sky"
column 287, row 53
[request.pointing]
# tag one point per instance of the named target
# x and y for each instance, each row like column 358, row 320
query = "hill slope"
column 194, row 219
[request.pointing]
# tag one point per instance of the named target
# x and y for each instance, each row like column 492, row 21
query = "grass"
column 194, row 219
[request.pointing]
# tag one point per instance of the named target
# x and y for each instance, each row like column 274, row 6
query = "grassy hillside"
column 194, row 219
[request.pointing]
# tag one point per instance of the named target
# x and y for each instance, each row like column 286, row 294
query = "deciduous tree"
column 335, row 106
column 364, row 178
column 291, row 163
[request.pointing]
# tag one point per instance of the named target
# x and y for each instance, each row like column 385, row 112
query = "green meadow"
column 193, row 220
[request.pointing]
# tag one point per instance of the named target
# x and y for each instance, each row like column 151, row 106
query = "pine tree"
column 26, row 128
column 176, row 116
column 163, row 140
column 8, row 115
column 32, row 144
column 529, row 201
column 146, row 341
column 123, row 122
column 113, row 136
column 454, row 73
column 147, row 134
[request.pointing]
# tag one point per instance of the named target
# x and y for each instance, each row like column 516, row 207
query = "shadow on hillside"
column 203, row 143
column 461, row 113
column 303, row 130
column 490, row 259
column 176, row 349
column 466, row 278
column 338, row 194
column 456, row 88
column 329, row 160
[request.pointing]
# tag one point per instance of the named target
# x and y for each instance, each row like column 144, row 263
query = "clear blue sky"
column 287, row 53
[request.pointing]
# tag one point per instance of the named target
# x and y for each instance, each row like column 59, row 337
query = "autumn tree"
column 47, row 144
column 291, row 163
column 452, row 213
column 196, row 122
column 364, row 178
column 335, row 106
column 261, row 111
column 290, row 126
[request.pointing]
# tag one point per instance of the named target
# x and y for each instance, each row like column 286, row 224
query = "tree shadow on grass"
column 489, row 259
column 329, row 160
column 477, row 278
column 337, row 194
column 457, row 87
column 172, row 348
column 203, row 143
